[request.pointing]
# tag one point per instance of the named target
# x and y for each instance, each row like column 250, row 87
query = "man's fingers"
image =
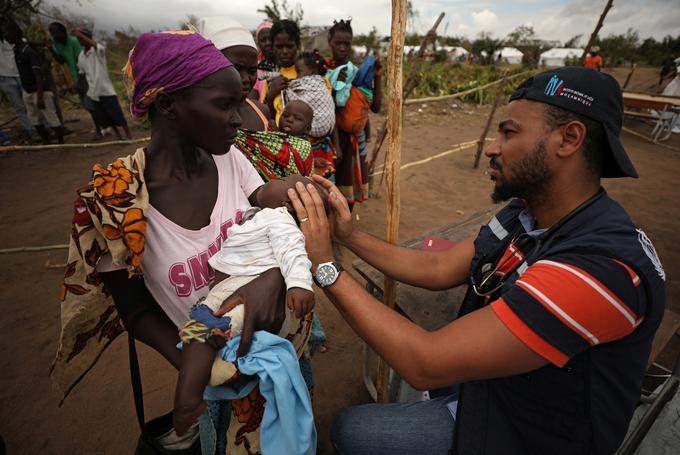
column 331, row 188
column 299, row 207
column 246, row 336
column 308, row 202
column 229, row 304
column 318, row 204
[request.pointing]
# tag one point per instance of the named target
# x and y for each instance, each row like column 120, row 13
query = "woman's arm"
column 377, row 87
column 141, row 314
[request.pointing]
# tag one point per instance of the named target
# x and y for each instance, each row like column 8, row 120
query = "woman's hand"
column 264, row 300
column 276, row 85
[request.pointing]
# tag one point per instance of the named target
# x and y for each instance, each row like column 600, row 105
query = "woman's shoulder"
column 118, row 175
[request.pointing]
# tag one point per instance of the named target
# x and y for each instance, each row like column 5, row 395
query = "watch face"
column 326, row 274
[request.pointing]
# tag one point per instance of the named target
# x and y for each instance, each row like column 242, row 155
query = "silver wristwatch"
column 327, row 273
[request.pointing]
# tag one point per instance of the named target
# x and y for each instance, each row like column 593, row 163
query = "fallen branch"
column 8, row 122
column 607, row 7
column 482, row 138
column 26, row 249
column 26, row 148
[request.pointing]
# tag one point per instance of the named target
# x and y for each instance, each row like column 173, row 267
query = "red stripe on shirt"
column 633, row 276
column 579, row 300
column 526, row 335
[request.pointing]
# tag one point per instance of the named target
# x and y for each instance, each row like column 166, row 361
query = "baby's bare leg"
column 194, row 374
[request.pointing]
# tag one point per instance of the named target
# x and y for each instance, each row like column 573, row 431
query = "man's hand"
column 314, row 224
column 340, row 221
column 263, row 306
column 301, row 301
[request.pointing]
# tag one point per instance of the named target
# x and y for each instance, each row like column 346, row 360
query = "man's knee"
column 349, row 432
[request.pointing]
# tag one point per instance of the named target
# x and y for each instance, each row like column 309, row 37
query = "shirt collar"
column 526, row 217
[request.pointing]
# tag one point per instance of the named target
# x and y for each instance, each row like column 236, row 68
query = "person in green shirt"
column 66, row 49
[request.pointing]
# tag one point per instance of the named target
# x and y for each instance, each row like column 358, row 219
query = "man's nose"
column 493, row 149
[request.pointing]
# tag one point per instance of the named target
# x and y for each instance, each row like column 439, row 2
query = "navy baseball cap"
column 589, row 93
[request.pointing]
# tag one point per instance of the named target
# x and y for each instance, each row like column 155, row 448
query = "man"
column 37, row 87
column 565, row 293
column 92, row 66
column 66, row 49
column 593, row 59
column 11, row 86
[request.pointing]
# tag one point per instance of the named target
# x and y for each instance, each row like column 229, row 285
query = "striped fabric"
column 564, row 305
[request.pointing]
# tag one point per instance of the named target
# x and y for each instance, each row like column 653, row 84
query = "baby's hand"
column 301, row 301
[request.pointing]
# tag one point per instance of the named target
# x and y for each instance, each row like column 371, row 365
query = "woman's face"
column 285, row 50
column 265, row 44
column 341, row 45
column 206, row 114
column 244, row 59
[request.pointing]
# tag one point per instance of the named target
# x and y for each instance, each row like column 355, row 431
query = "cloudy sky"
column 552, row 19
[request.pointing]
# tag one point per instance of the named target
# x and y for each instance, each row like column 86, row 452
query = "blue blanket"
column 288, row 421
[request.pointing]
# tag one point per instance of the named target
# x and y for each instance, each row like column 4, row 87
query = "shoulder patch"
column 650, row 251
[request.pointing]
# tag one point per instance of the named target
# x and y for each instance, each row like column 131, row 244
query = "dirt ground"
column 37, row 190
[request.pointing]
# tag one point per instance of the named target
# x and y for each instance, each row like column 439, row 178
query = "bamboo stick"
column 27, row 249
column 480, row 142
column 26, row 148
column 598, row 26
column 395, row 64
column 465, row 92
column 411, row 82
column 649, row 139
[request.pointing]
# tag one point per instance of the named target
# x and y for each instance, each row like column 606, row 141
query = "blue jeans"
column 423, row 427
column 11, row 87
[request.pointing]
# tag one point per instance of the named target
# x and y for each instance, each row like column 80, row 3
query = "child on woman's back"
column 312, row 87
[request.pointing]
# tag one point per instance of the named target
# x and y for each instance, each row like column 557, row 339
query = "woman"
column 351, row 174
column 238, row 45
column 285, row 39
column 266, row 60
column 146, row 225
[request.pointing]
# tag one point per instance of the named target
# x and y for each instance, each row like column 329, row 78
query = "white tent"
column 359, row 51
column 557, row 55
column 509, row 55
column 454, row 52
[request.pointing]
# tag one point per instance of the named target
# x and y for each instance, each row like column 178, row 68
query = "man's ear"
column 573, row 134
column 165, row 105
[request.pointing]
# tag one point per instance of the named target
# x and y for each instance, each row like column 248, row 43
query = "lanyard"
column 488, row 285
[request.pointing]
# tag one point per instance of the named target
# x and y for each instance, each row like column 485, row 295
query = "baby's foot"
column 184, row 416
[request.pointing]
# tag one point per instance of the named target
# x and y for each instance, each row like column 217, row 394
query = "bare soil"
column 37, row 190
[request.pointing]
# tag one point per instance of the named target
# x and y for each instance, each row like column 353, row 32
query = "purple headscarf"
column 167, row 62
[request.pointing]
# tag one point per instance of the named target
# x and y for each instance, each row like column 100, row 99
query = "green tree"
column 484, row 47
column 277, row 11
column 573, row 41
column 619, row 49
column 524, row 39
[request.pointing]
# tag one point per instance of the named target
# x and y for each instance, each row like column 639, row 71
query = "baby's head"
column 275, row 192
column 310, row 64
column 297, row 118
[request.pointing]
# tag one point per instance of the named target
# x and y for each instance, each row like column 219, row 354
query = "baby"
column 296, row 118
column 268, row 237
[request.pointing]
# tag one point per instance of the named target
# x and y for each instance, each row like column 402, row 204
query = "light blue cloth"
column 288, row 421
column 340, row 88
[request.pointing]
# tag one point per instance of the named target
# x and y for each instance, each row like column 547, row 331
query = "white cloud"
column 485, row 19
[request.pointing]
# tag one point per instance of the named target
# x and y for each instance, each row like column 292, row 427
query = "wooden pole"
column 607, row 7
column 395, row 62
column 411, row 82
column 480, row 142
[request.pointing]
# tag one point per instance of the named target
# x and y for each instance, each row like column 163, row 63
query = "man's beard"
column 530, row 178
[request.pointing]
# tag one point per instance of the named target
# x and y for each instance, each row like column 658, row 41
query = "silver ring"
column 304, row 220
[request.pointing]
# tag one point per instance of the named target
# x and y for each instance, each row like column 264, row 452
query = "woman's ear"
column 164, row 104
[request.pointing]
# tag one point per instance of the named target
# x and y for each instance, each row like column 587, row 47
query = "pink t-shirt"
column 175, row 262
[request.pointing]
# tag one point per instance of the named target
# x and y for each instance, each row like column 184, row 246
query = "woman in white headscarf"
column 238, row 45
